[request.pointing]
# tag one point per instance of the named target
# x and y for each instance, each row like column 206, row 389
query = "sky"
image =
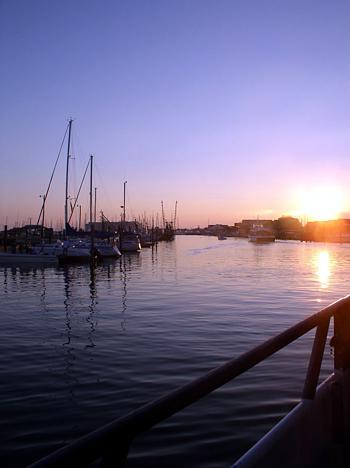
column 234, row 109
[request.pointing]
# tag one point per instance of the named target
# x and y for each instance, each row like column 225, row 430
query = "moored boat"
column 129, row 242
column 102, row 249
column 260, row 234
column 27, row 258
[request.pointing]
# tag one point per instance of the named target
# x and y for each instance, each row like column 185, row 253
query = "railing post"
column 315, row 362
column 341, row 342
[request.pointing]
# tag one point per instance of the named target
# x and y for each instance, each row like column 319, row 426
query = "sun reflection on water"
column 323, row 268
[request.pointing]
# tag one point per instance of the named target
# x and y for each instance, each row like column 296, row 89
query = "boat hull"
column 130, row 242
column 23, row 258
column 261, row 239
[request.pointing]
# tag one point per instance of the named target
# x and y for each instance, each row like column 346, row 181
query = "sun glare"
column 321, row 204
column 323, row 268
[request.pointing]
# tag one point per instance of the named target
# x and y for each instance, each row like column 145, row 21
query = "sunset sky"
column 236, row 109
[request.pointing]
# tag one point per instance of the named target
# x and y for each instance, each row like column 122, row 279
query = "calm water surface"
column 78, row 350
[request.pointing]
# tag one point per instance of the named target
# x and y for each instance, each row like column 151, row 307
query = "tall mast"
column 124, row 205
column 174, row 223
column 92, row 226
column 67, row 170
column 91, row 219
column 95, row 206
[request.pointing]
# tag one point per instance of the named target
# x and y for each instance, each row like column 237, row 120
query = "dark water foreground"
column 78, row 350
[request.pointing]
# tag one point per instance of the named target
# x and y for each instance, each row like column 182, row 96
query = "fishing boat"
column 169, row 227
column 260, row 234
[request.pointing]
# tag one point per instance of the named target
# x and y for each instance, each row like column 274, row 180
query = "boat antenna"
column 67, row 170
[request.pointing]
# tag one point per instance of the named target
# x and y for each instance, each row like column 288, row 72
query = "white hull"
column 77, row 250
column 103, row 249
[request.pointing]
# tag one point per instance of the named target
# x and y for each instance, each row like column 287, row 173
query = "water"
column 78, row 350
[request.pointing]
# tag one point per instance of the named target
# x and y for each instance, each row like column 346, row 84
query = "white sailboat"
column 73, row 251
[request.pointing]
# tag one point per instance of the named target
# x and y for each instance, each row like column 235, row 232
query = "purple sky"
column 229, row 107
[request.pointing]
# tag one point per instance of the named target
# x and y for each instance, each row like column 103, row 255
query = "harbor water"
column 80, row 348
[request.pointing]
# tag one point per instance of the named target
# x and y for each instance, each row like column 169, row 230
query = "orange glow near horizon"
column 321, row 204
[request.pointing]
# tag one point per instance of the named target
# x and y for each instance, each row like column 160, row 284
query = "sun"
column 321, row 203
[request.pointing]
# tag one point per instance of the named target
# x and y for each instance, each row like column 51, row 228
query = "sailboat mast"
column 91, row 219
column 67, row 171
column 95, row 206
column 124, row 205
column 92, row 225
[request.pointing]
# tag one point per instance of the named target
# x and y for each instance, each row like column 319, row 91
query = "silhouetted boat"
column 260, row 234
column 129, row 242
column 19, row 258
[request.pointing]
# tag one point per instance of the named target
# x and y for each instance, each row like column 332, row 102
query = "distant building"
column 220, row 229
column 337, row 230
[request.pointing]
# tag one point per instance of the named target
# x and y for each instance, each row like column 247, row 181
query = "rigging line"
column 53, row 172
column 81, row 184
column 104, row 192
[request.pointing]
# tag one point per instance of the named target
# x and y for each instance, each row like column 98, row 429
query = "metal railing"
column 110, row 443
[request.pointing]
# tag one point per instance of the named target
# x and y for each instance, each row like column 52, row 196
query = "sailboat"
column 74, row 251
column 129, row 241
column 20, row 258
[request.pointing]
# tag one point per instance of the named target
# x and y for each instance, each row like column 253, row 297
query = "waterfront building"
column 336, row 230
column 287, row 227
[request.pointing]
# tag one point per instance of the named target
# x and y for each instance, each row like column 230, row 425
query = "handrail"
column 111, row 442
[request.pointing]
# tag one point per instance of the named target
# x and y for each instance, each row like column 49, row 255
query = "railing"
column 110, row 444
